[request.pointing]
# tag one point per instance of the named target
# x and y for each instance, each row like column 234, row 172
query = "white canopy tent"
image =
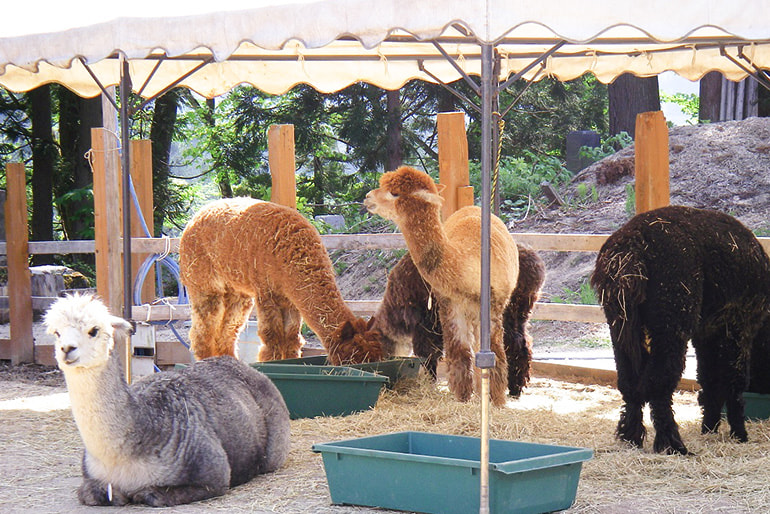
column 329, row 44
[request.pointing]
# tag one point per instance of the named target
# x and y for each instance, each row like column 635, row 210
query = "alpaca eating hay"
column 236, row 250
column 172, row 437
column 448, row 257
column 668, row 276
column 409, row 323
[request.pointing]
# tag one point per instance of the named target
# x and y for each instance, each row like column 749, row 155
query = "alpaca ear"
column 121, row 327
column 429, row 197
column 347, row 331
column 370, row 323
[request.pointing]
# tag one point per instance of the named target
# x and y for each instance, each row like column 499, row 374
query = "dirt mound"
column 721, row 166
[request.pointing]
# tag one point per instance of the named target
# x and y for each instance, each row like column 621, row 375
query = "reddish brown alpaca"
column 237, row 250
column 448, row 257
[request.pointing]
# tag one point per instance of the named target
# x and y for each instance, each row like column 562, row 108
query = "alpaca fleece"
column 448, row 257
column 676, row 274
column 409, row 322
column 236, row 251
column 170, row 438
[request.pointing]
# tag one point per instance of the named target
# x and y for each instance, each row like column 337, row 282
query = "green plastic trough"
column 757, row 406
column 435, row 473
column 311, row 391
column 395, row 369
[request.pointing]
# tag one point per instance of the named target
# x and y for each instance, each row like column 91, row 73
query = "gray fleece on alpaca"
column 173, row 437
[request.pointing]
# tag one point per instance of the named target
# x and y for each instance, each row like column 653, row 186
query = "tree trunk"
column 161, row 134
column 76, row 118
column 43, row 159
column 395, row 152
column 628, row 96
column 222, row 180
column 709, row 97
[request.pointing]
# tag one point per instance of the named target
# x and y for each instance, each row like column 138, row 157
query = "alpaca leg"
column 667, row 359
column 428, row 345
column 631, row 424
column 237, row 308
column 498, row 380
column 292, row 323
column 712, row 396
column 206, row 311
column 518, row 351
column 271, row 329
column 457, row 348
column 735, row 367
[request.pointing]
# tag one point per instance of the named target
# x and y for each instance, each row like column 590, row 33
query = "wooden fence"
column 453, row 172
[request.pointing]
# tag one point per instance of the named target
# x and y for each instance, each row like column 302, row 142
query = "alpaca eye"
column 56, row 333
column 93, row 332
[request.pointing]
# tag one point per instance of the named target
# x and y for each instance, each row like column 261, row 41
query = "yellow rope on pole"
column 496, row 170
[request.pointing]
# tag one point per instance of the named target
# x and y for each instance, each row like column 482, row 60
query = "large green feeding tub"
column 436, row 473
column 311, row 391
column 395, row 369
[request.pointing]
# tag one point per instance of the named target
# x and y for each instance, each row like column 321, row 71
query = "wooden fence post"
column 107, row 219
column 280, row 144
column 19, row 278
column 141, row 176
column 453, row 162
column 651, row 161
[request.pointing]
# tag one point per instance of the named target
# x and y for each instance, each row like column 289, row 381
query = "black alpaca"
column 668, row 276
column 408, row 318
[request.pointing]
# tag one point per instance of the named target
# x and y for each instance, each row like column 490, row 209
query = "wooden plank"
column 107, row 218
column 280, row 145
column 562, row 242
column 464, row 196
column 585, row 375
column 19, row 277
column 568, row 312
column 452, row 158
column 651, row 161
column 168, row 353
column 141, row 175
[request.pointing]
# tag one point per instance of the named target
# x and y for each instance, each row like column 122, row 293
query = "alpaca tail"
column 620, row 279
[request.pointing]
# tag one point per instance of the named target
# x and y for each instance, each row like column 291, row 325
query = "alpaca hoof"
column 671, row 446
column 740, row 436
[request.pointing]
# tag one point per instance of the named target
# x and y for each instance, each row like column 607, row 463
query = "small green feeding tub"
column 311, row 391
column 436, row 473
column 395, row 369
column 757, row 406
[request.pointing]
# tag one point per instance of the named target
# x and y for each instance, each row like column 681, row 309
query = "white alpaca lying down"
column 170, row 438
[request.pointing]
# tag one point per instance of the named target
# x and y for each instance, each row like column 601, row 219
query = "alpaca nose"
column 69, row 353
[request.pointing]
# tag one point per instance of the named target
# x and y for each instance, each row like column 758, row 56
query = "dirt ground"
column 723, row 166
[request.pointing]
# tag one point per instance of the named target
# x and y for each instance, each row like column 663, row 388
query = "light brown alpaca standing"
column 448, row 257
column 237, row 250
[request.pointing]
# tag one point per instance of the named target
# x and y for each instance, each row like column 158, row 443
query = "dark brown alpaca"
column 676, row 274
column 237, row 250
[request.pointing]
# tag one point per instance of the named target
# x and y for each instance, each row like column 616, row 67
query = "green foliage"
column 584, row 295
column 630, row 200
column 609, row 145
column 78, row 204
column 520, row 179
column 689, row 103
column 543, row 113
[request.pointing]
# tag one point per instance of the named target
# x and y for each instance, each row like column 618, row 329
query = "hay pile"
column 40, row 453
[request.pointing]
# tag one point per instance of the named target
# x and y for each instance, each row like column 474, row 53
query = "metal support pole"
column 125, row 138
column 485, row 359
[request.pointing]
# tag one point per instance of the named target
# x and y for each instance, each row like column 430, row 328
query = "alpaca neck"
column 427, row 242
column 102, row 406
column 327, row 311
